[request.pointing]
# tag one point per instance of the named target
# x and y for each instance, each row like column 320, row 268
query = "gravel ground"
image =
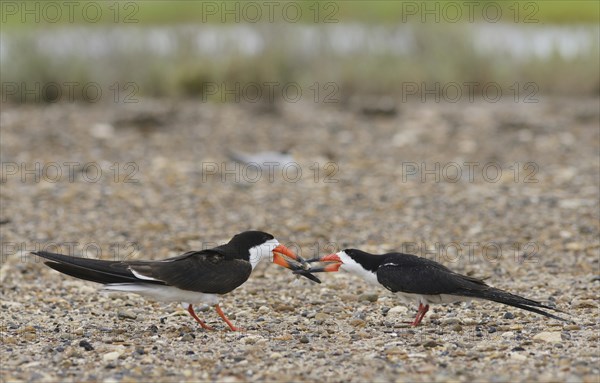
column 532, row 230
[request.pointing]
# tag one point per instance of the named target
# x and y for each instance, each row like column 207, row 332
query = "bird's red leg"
column 421, row 314
column 193, row 314
column 222, row 315
column 417, row 320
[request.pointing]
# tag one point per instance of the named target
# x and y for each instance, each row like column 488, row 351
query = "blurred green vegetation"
column 163, row 58
column 31, row 14
column 438, row 55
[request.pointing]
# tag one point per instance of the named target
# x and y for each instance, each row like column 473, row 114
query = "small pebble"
column 548, row 336
column 126, row 314
column 517, row 356
column 252, row 339
column 398, row 310
column 368, row 297
column 449, row 321
column 188, row 337
column 111, row 356
column 431, row 344
column 263, row 310
column 86, row 345
column 584, row 303
column 357, row 323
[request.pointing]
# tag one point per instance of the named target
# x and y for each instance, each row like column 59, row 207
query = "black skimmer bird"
column 422, row 280
column 196, row 276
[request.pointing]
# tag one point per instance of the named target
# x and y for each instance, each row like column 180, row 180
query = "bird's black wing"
column 501, row 296
column 411, row 274
column 207, row 271
column 95, row 270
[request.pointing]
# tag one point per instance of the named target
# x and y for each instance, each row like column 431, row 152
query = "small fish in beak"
column 286, row 258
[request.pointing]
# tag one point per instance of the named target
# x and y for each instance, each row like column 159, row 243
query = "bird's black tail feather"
column 509, row 299
column 94, row 270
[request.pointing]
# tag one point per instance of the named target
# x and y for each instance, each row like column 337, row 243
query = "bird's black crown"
column 249, row 239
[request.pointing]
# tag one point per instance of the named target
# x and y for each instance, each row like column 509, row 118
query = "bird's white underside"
column 429, row 299
column 164, row 293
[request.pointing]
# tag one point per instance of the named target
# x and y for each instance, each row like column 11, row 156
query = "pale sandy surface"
column 341, row 330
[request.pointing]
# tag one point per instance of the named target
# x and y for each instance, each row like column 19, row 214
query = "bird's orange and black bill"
column 281, row 255
column 333, row 264
column 288, row 259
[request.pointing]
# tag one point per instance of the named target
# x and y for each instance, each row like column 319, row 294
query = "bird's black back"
column 412, row 274
column 218, row 270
